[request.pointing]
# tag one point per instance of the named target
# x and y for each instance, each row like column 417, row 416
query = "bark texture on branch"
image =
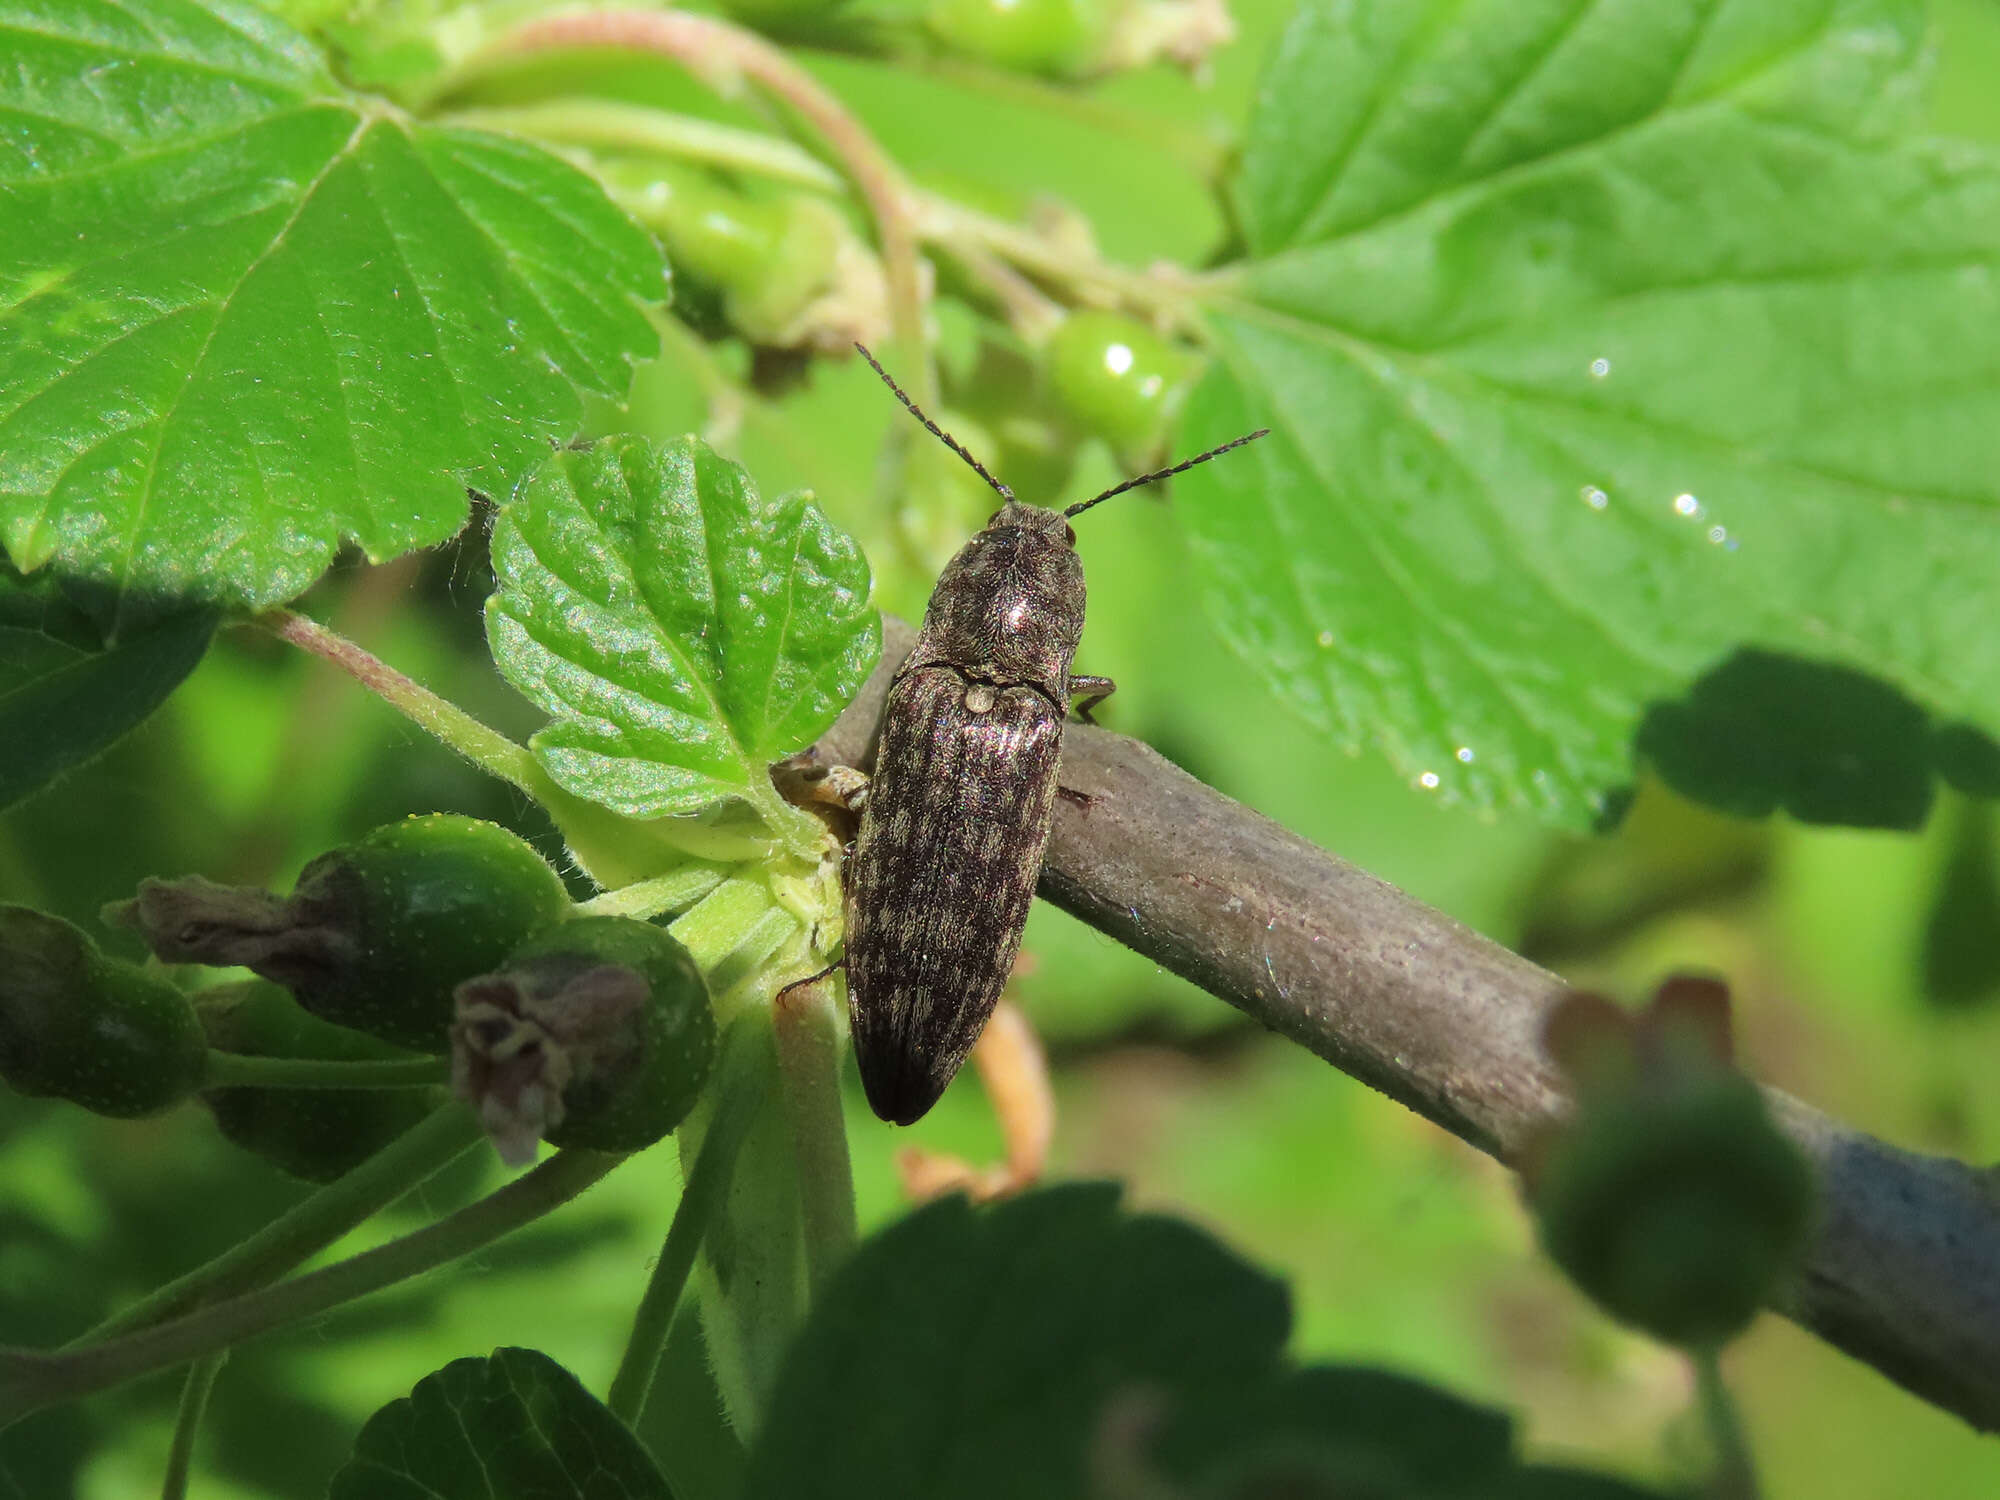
column 1904, row 1272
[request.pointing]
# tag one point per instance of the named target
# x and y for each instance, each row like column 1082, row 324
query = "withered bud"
column 193, row 920
column 524, row 1038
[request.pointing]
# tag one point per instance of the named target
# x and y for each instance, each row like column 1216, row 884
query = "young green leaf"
column 683, row 632
column 1601, row 339
column 514, row 1426
column 244, row 314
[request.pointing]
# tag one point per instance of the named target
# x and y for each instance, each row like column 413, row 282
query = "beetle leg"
column 1016, row 1077
column 1089, row 691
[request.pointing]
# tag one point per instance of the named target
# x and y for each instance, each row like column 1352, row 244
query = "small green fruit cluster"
column 376, row 933
column 785, row 270
column 592, row 1031
column 423, row 903
column 1670, row 1196
column 96, row 1031
column 596, row 1032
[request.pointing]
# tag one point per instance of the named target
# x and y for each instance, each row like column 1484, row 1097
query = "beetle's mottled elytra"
column 956, row 819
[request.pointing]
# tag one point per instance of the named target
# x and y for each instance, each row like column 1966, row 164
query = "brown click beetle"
column 955, row 821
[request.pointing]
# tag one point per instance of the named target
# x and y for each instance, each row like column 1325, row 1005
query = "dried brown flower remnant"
column 523, row 1038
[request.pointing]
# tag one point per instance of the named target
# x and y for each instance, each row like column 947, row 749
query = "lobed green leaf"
column 245, row 315
column 683, row 633
column 514, row 1426
column 1605, row 340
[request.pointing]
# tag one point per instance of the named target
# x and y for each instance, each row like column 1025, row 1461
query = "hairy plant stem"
column 740, row 1080
column 809, row 1049
column 308, row 1227
column 230, row 1070
column 486, row 748
column 1735, row 1476
column 614, row 850
column 717, row 52
column 31, row 1379
column 187, row 1424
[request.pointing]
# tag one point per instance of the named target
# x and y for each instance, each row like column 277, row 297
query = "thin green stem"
column 644, row 899
column 718, row 53
column 612, row 849
column 1735, row 1476
column 187, row 1423
column 1168, row 295
column 32, row 1379
column 740, row 1082
column 486, row 748
column 808, row 1033
column 308, row 1227
column 228, row 1070
column 608, row 124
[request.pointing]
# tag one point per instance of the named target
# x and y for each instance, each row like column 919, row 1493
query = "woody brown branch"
column 1904, row 1271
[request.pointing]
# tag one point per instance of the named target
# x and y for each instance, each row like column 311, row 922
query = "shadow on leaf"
column 1764, row 732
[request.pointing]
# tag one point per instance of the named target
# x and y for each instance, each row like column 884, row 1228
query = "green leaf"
column 1336, row 1431
column 1602, row 339
column 245, row 315
column 65, row 695
column 1053, row 1345
column 515, row 1426
column 683, row 633
column 977, row 1353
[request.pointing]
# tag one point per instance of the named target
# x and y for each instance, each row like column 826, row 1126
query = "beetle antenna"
column 935, row 431
column 1132, row 484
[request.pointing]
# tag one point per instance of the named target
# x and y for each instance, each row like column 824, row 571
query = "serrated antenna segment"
column 935, row 431
column 1188, row 463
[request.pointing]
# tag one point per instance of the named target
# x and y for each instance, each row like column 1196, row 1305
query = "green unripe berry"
column 1058, row 38
column 423, row 904
column 596, row 1032
column 99, row 1032
column 1120, row 381
column 1679, row 1210
column 376, row 933
column 315, row 1134
column 787, row 268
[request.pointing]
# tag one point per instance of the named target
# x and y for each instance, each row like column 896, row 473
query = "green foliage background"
column 1863, row 961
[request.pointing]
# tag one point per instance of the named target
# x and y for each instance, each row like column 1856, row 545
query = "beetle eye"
column 1069, row 533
